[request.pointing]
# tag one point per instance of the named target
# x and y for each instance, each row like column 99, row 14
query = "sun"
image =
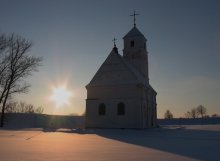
column 60, row 95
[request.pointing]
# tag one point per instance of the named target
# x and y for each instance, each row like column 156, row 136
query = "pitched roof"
column 117, row 71
column 134, row 32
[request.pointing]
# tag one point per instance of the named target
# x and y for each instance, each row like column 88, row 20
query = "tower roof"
column 134, row 32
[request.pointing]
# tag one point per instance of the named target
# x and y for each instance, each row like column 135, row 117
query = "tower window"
column 121, row 108
column 102, row 109
column 132, row 43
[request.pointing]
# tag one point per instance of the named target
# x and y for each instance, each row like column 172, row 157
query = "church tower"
column 135, row 50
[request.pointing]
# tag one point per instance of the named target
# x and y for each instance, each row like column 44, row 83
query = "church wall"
column 151, row 109
column 111, row 119
column 132, row 96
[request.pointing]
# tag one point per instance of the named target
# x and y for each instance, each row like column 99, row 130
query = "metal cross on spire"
column 114, row 40
column 135, row 14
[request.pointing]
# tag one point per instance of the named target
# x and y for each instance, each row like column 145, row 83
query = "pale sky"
column 75, row 37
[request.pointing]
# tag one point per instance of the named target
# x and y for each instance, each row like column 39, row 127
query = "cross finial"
column 135, row 14
column 114, row 40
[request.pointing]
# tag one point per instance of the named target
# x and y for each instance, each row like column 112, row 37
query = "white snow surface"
column 167, row 143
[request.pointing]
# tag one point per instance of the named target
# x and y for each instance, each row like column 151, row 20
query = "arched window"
column 121, row 108
column 132, row 43
column 102, row 109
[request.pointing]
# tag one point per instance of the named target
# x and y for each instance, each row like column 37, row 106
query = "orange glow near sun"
column 60, row 96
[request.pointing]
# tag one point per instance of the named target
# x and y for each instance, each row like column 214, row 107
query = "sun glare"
column 60, row 96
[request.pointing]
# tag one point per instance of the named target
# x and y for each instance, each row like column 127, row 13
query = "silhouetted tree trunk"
column 17, row 65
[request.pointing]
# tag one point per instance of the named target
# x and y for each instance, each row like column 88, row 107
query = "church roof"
column 134, row 32
column 117, row 71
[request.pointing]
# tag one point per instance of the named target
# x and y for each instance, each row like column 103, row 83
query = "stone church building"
column 119, row 95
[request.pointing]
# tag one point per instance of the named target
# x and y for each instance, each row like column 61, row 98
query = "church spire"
column 115, row 48
column 114, row 40
column 134, row 15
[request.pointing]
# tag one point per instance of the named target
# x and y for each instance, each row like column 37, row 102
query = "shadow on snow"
column 197, row 144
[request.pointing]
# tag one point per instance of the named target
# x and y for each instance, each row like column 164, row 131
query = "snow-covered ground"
column 177, row 143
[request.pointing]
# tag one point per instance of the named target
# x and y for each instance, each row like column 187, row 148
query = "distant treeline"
column 22, row 107
column 189, row 121
column 197, row 112
column 33, row 120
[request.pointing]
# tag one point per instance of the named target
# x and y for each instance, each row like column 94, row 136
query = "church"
column 119, row 95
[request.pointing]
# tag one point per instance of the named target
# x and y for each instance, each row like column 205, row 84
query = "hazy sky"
column 75, row 37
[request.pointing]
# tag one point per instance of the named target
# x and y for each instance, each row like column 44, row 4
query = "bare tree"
column 39, row 110
column 168, row 115
column 2, row 42
column 29, row 108
column 22, row 107
column 192, row 114
column 11, row 107
column 201, row 110
column 215, row 115
column 3, row 59
column 17, row 65
column 188, row 114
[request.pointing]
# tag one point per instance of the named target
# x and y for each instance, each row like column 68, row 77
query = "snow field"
column 179, row 143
